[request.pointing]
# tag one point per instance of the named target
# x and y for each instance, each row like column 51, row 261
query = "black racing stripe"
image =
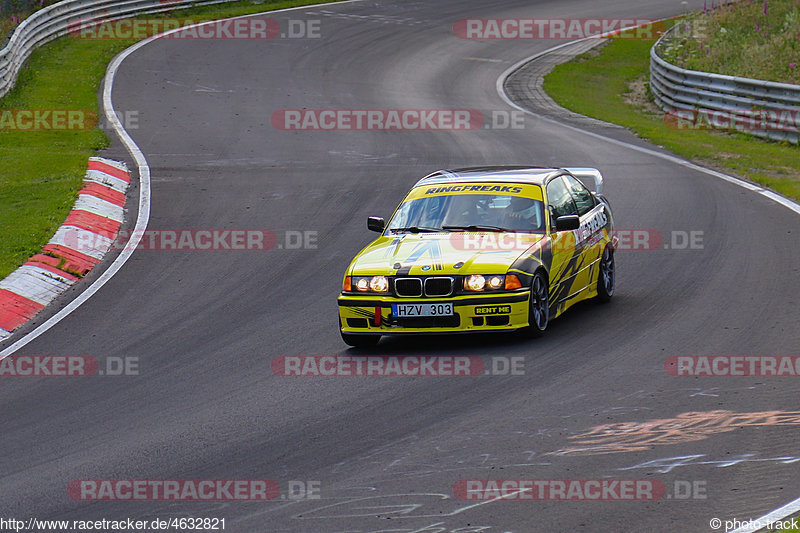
column 365, row 313
column 421, row 248
column 437, row 260
column 571, row 270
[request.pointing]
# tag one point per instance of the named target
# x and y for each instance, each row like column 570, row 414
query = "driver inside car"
column 526, row 211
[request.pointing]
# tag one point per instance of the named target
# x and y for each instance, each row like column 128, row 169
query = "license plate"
column 422, row 309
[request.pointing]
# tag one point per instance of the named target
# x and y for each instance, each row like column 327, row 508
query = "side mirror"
column 376, row 224
column 568, row 223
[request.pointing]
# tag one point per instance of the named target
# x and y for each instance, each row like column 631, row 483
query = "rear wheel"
column 539, row 310
column 606, row 277
column 360, row 341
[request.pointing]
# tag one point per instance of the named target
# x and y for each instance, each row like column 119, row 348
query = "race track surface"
column 386, row 452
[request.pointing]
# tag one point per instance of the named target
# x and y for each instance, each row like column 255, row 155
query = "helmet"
column 520, row 203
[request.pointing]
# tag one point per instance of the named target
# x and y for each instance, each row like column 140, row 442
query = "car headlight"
column 479, row 283
column 475, row 282
column 495, row 282
column 366, row 284
column 379, row 284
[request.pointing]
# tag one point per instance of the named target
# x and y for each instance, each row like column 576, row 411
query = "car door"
column 593, row 223
column 590, row 235
column 564, row 267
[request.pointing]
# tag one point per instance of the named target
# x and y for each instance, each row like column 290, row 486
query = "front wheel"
column 606, row 278
column 360, row 341
column 539, row 310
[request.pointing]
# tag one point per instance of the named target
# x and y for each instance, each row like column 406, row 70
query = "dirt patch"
column 638, row 96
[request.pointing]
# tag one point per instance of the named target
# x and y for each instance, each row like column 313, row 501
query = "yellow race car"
column 482, row 249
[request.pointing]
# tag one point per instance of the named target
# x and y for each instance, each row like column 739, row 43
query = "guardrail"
column 55, row 21
column 763, row 108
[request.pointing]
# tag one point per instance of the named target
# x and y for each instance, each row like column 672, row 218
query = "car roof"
column 514, row 174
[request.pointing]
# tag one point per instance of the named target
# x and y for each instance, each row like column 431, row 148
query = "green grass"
column 11, row 18
column 42, row 171
column 600, row 84
column 736, row 38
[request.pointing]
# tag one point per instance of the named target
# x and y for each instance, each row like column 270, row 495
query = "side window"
column 580, row 194
column 560, row 200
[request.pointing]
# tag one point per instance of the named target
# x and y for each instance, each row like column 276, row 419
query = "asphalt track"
column 386, row 452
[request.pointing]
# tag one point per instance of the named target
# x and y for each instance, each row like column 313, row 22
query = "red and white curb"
column 78, row 245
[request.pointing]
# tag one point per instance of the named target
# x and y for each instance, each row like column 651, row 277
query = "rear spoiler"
column 591, row 173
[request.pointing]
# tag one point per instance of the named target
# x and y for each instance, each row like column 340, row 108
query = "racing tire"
column 360, row 341
column 539, row 310
column 606, row 276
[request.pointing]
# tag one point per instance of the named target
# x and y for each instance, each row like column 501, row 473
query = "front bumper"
column 361, row 314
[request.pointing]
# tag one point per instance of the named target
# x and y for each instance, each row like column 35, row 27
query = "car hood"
column 456, row 253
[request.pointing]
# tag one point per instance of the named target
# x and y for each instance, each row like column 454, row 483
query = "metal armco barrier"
column 55, row 21
column 775, row 107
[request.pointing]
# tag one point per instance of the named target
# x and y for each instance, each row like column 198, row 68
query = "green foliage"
column 598, row 85
column 759, row 40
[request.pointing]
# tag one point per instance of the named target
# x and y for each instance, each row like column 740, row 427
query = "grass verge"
column 734, row 38
column 42, row 171
column 612, row 85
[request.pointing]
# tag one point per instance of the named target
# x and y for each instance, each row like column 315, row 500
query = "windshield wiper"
column 417, row 229
column 477, row 227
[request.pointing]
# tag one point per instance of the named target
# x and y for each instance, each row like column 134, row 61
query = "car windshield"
column 469, row 212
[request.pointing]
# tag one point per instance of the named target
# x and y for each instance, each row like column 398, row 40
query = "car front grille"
column 408, row 287
column 438, row 286
column 434, row 286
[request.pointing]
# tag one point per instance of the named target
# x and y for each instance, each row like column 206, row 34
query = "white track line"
column 141, row 220
column 144, row 178
column 793, row 506
column 781, row 513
